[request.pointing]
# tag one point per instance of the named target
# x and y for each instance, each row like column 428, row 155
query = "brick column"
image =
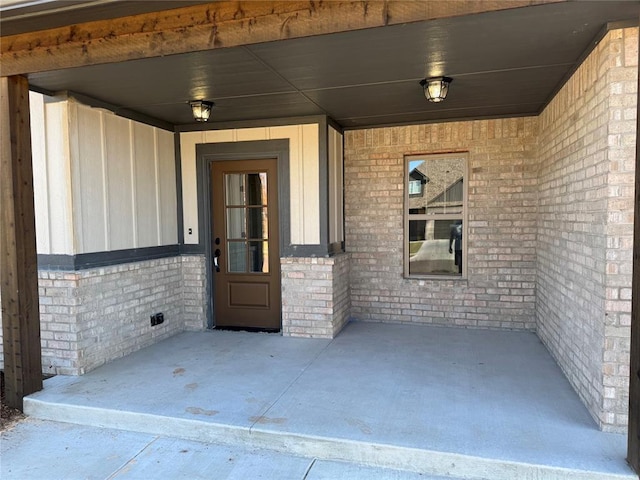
column 315, row 296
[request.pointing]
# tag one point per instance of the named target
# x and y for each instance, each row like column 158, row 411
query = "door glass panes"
column 247, row 220
column 235, row 223
column 435, row 186
column 257, row 223
column 259, row 257
column 234, row 185
column 237, row 257
column 256, row 189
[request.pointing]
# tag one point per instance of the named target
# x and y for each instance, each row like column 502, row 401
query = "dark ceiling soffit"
column 119, row 111
column 282, row 77
column 630, row 23
column 136, row 116
column 124, row 112
column 41, row 90
column 194, row 127
column 258, row 123
column 336, row 126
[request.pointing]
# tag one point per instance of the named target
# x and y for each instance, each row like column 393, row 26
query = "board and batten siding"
column 336, row 186
column 103, row 182
column 51, row 176
column 303, row 175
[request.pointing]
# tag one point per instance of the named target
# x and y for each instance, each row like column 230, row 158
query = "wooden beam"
column 18, row 258
column 218, row 25
column 633, row 444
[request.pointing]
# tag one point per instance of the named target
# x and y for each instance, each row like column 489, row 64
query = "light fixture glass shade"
column 201, row 110
column 436, row 88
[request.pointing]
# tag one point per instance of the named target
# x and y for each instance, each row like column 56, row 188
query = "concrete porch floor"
column 438, row 401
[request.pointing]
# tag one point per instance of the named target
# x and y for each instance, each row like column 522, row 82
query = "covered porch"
column 430, row 400
column 544, row 109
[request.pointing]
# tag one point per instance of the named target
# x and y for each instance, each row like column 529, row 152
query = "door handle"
column 216, row 254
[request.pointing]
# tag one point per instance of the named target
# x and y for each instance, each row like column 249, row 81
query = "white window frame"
column 412, row 186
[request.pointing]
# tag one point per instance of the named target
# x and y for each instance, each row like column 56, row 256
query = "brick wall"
column 341, row 292
column 194, row 291
column 315, row 296
column 92, row 316
column 502, row 204
column 622, row 77
column 116, row 303
column 58, row 329
column 585, row 236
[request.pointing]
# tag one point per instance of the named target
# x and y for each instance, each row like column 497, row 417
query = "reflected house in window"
column 450, row 198
column 417, row 182
column 435, row 201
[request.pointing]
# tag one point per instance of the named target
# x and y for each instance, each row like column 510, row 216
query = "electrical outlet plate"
column 157, row 319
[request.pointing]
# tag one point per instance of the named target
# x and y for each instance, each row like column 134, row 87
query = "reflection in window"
column 259, row 255
column 257, row 222
column 415, row 187
column 435, row 233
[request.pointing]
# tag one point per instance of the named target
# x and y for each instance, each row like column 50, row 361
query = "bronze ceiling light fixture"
column 201, row 110
column 436, row 88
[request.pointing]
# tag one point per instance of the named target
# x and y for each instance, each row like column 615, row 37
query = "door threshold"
column 248, row 329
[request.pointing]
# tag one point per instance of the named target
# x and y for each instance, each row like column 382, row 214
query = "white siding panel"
column 119, row 182
column 168, row 205
column 311, row 176
column 188, row 142
column 250, row 134
column 296, row 178
column 284, row 132
column 59, row 178
column 40, row 174
column 336, row 192
column 296, row 186
column 218, row 136
column 101, row 182
column 87, row 152
column 146, row 204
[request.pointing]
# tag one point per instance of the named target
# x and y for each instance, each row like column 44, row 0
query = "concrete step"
column 82, row 452
column 325, row 449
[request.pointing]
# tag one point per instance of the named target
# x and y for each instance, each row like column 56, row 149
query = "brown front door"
column 245, row 249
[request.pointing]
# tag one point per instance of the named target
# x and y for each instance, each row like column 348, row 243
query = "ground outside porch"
column 465, row 403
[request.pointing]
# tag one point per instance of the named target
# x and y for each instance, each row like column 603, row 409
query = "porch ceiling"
column 504, row 63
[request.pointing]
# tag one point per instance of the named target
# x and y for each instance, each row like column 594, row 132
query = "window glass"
column 247, row 222
column 436, row 186
column 235, row 223
column 259, row 257
column 435, row 210
column 237, row 257
column 257, row 221
column 235, row 188
column 256, row 188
